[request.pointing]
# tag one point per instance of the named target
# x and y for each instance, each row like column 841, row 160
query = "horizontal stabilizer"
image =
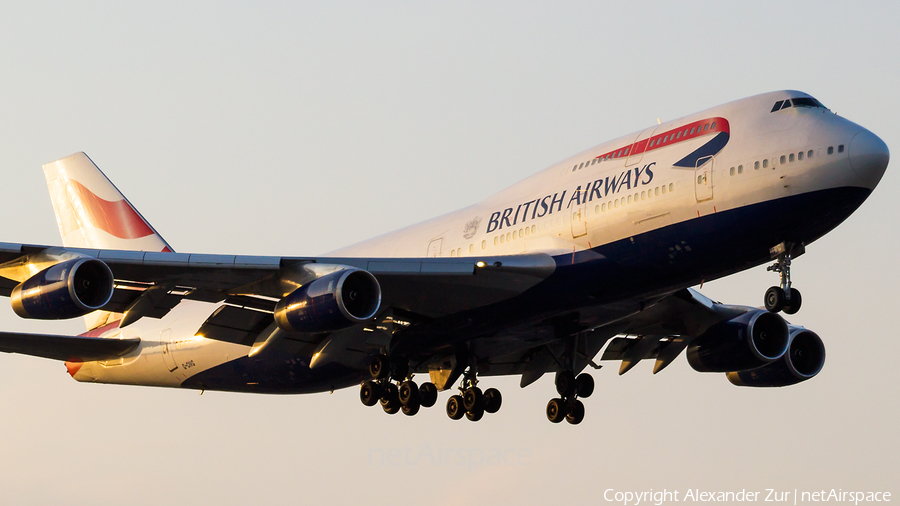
column 66, row 348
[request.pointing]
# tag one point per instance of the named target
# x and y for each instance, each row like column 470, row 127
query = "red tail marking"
column 117, row 218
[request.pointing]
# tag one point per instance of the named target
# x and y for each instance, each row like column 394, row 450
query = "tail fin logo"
column 115, row 218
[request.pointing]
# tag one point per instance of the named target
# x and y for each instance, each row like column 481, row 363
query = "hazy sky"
column 297, row 128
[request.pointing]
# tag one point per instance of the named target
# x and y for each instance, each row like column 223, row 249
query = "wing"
column 68, row 348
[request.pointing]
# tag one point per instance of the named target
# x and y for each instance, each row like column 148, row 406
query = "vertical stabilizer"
column 92, row 213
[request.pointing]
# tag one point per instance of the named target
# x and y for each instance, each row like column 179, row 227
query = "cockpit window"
column 797, row 102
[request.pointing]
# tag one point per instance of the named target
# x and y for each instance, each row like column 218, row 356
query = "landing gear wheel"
column 408, row 393
column 775, row 299
column 565, row 383
column 584, row 385
column 427, row 395
column 492, row 400
column 472, row 399
column 380, row 367
column 475, row 414
column 369, row 393
column 390, row 399
column 575, row 413
column 793, row 305
column 556, row 410
column 455, row 409
column 410, row 408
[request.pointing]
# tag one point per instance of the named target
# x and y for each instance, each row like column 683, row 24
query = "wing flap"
column 67, row 348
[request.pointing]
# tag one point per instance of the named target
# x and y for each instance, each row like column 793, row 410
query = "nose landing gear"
column 783, row 297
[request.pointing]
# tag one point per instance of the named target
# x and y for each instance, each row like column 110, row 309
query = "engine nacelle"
column 332, row 302
column 803, row 360
column 68, row 289
column 749, row 341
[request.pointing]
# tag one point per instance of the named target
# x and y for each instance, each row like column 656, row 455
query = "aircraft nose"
column 869, row 157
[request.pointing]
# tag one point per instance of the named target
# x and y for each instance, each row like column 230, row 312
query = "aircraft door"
column 579, row 219
column 639, row 146
column 434, row 247
column 703, row 178
column 168, row 349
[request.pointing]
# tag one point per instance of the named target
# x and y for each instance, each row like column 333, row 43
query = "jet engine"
column 749, row 341
column 68, row 289
column 331, row 302
column 803, row 360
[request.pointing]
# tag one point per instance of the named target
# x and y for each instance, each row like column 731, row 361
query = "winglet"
column 92, row 213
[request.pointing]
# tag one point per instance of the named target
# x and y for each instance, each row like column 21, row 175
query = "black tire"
column 411, row 408
column 565, row 383
column 400, row 370
column 390, row 399
column 473, row 398
column 774, row 299
column 584, row 385
column 408, row 393
column 575, row 413
column 793, row 305
column 369, row 393
column 427, row 395
column 455, row 408
column 380, row 367
column 476, row 414
column 492, row 400
column 556, row 410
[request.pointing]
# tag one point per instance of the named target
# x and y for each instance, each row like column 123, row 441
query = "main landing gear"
column 471, row 402
column 783, row 297
column 404, row 396
column 567, row 406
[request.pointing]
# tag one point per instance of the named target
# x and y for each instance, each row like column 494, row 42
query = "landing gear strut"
column 471, row 402
column 567, row 406
column 404, row 395
column 783, row 297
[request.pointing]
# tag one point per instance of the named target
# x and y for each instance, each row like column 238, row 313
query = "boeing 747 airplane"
column 596, row 253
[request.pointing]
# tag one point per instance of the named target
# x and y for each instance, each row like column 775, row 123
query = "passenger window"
column 626, row 151
column 713, row 125
column 740, row 169
column 841, row 148
column 790, row 158
column 453, row 253
column 520, row 233
column 756, row 165
column 777, row 106
column 527, row 229
column 593, row 161
column 484, row 244
column 800, row 156
column 515, row 234
column 597, row 209
column 580, row 166
column 706, row 127
column 678, row 135
column 508, row 236
column 643, row 195
column 671, row 187
column 732, row 171
column 496, row 241
column 532, row 229
column 664, row 189
column 699, row 179
column 692, row 130
column 471, row 248
column 617, row 203
column 830, row 150
column 629, row 199
column 657, row 190
column 782, row 159
column 809, row 153
column 575, row 168
column 603, row 207
column 765, row 163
